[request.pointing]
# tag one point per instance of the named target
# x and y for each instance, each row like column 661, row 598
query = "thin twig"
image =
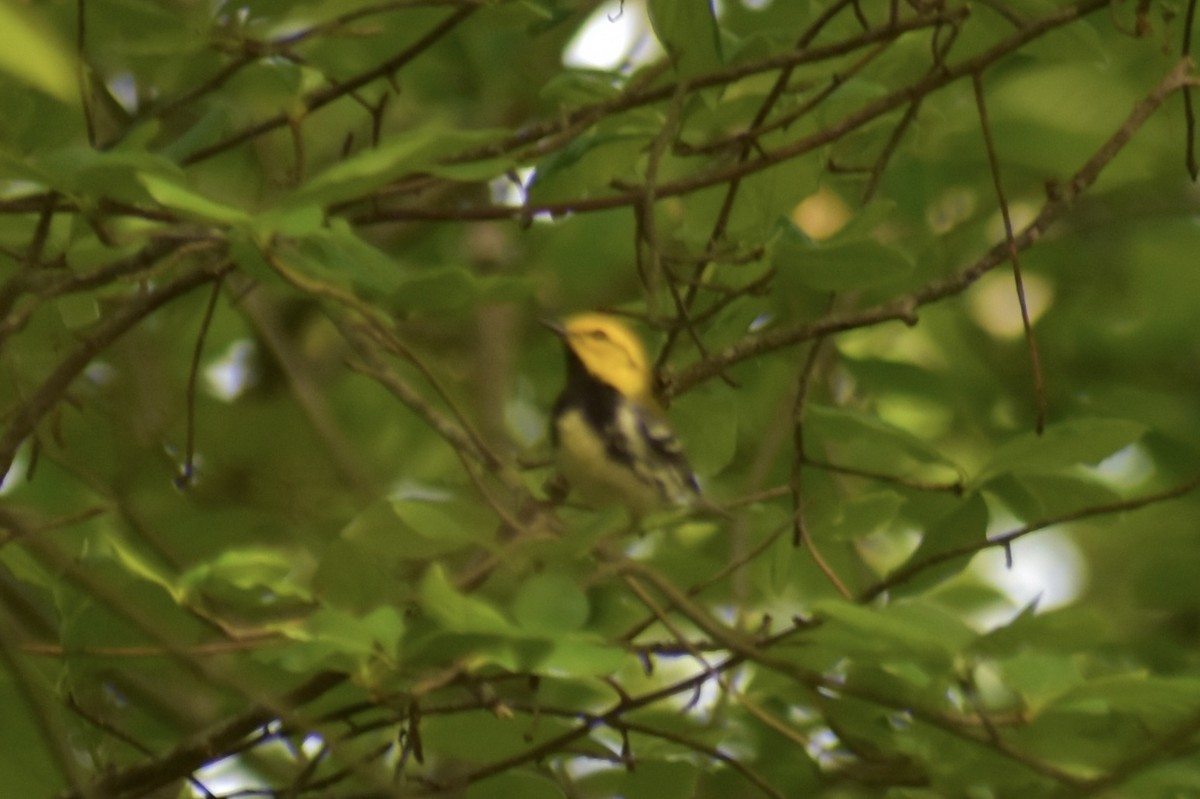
column 58, row 523
column 33, row 256
column 889, row 149
column 1035, row 361
column 1061, row 198
column 783, row 121
column 711, row 752
column 717, row 233
column 187, row 472
column 83, row 67
column 366, row 337
column 323, row 97
column 955, row 487
column 1189, row 111
column 800, row 532
column 187, row 757
column 906, row 573
column 120, row 322
column 1181, row 738
column 767, row 159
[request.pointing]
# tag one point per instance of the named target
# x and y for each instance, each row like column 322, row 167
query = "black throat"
column 594, row 398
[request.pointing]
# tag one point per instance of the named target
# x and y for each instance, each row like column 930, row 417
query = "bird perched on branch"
column 614, row 444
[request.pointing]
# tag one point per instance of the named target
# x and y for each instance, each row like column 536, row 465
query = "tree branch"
column 1061, row 197
column 323, row 97
column 191, row 755
column 30, row 412
column 909, row 571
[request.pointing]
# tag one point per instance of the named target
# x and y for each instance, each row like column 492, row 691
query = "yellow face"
column 610, row 351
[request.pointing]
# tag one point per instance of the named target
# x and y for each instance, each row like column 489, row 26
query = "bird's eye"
column 599, row 335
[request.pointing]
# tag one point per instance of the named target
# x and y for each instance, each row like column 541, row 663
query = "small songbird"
column 614, row 444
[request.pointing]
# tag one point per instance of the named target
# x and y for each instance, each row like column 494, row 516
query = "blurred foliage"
column 274, row 399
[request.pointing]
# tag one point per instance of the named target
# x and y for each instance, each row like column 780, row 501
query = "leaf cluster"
column 917, row 278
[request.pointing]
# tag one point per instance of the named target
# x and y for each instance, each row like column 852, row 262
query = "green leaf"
column 280, row 573
column 551, row 603
column 377, row 528
column 211, row 125
column 574, row 87
column 28, row 768
column 34, row 54
column 1040, row 677
column 338, row 255
column 248, row 256
column 878, row 438
column 859, row 517
column 174, row 195
column 550, row 610
column 1157, row 701
column 473, row 171
column 658, row 779
column 138, row 612
column 864, row 225
column 1079, row 441
column 16, row 167
column 484, row 737
column 363, row 644
column 137, row 563
column 418, row 150
column 515, row 783
column 77, row 310
column 90, row 252
column 1033, row 496
column 688, row 31
column 913, row 629
column 292, row 221
column 117, row 173
column 764, row 199
column 1062, row 631
column 453, row 289
column 1176, row 778
column 579, row 655
column 377, row 632
column 357, row 578
column 706, row 421
column 964, row 526
column 588, row 166
column 409, row 529
column 448, row 525
column 458, row 612
column 856, row 264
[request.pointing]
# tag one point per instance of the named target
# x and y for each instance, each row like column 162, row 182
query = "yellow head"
column 610, row 351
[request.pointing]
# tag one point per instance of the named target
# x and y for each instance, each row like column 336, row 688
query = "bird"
column 614, row 444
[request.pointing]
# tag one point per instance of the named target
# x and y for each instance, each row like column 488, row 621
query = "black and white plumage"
column 614, row 444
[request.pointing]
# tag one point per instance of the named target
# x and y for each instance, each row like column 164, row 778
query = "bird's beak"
column 554, row 326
